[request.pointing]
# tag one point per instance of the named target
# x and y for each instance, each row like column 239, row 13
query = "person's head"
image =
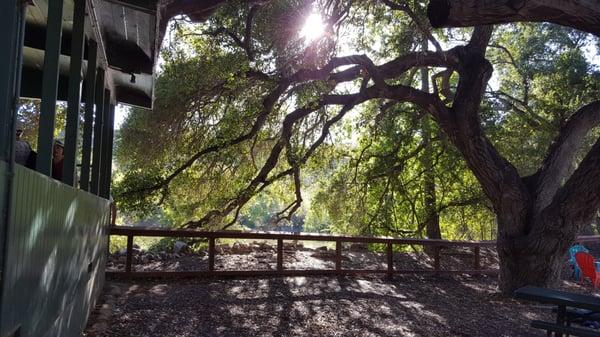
column 58, row 151
column 19, row 129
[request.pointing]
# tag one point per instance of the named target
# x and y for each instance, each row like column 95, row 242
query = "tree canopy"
column 381, row 125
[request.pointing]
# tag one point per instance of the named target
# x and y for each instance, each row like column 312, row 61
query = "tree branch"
column 577, row 202
column 583, row 15
column 424, row 27
column 562, row 152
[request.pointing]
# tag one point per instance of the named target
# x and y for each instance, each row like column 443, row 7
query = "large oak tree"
column 538, row 215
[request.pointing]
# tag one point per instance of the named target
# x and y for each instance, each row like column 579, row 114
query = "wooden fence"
column 280, row 237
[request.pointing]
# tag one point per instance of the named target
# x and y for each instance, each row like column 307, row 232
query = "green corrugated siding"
column 54, row 234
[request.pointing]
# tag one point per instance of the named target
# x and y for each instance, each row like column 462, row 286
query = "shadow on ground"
column 320, row 306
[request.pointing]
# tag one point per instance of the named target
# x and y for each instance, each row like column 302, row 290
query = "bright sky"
column 121, row 112
column 313, row 27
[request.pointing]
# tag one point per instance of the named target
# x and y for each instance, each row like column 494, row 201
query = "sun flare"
column 313, row 27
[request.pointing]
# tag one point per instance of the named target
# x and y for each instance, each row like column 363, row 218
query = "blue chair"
column 572, row 251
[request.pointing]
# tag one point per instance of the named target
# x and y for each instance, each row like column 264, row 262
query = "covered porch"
column 92, row 55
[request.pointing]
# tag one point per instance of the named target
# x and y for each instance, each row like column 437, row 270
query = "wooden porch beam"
column 88, row 123
column 106, row 157
column 97, row 151
column 74, row 102
column 49, row 87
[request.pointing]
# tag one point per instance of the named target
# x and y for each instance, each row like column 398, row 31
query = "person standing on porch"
column 24, row 155
column 57, row 160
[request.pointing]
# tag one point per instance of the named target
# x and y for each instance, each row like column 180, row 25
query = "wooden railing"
column 389, row 242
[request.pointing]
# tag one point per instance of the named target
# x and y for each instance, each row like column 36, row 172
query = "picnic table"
column 564, row 302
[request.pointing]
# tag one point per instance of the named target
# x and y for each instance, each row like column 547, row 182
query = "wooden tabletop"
column 557, row 297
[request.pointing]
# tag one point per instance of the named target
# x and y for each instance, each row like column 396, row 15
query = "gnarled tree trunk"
column 538, row 217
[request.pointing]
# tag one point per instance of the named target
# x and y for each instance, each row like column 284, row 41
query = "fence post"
column 129, row 255
column 436, row 259
column 390, row 260
column 279, row 254
column 477, row 261
column 211, row 254
column 338, row 257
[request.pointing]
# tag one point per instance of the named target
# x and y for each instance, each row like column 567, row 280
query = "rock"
column 225, row 248
column 323, row 254
column 263, row 255
column 180, row 247
column 115, row 290
column 122, row 251
column 322, row 249
column 100, row 326
column 240, row 248
column 105, row 310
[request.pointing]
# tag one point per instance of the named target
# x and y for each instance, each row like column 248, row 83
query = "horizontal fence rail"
column 212, row 236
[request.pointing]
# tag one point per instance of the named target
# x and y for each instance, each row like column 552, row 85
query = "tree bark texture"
column 532, row 240
column 579, row 14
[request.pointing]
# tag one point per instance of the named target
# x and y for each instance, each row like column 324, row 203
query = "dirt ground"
column 312, row 306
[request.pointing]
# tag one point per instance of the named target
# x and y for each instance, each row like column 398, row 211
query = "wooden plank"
column 144, row 231
column 446, row 272
column 285, row 272
column 129, row 256
column 559, row 298
column 279, row 254
column 560, row 329
column 338, row 256
column 211, row 254
column 390, row 260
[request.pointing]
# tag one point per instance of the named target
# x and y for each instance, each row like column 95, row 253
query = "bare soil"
column 313, row 306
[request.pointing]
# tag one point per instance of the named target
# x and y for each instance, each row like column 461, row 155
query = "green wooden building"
column 92, row 54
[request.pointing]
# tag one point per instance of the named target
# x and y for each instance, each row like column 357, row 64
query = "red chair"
column 585, row 261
